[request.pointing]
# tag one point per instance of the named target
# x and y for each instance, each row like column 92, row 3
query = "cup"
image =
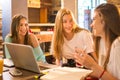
column 1, row 66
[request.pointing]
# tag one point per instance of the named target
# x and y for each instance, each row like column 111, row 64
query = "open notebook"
column 22, row 57
column 66, row 73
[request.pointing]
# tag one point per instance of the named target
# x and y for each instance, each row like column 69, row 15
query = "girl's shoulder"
column 8, row 38
column 84, row 32
column 8, row 35
column 116, row 42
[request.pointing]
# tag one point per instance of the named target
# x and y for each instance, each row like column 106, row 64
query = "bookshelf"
column 41, row 20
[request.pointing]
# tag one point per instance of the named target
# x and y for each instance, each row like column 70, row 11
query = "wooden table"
column 27, row 75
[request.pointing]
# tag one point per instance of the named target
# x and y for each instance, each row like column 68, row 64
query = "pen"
column 37, row 76
column 41, row 74
column 84, row 48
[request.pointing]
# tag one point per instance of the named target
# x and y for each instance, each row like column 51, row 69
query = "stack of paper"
column 65, row 73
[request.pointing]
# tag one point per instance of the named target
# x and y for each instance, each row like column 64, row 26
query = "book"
column 65, row 73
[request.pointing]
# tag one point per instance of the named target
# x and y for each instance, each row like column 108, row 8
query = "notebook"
column 22, row 57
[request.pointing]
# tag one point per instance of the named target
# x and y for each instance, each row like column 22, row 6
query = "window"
column 85, row 11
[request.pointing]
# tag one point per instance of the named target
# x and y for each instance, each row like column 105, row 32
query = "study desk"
column 60, row 73
column 27, row 75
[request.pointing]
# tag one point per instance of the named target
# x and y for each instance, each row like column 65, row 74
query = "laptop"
column 22, row 57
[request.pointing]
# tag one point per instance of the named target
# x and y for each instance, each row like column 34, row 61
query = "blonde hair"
column 58, row 39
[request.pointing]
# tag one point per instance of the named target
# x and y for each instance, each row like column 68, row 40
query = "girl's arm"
column 7, row 39
column 88, row 62
column 57, row 62
column 38, row 53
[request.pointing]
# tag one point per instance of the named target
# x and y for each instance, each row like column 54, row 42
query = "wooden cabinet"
column 41, row 20
column 40, row 13
column 43, row 15
column 43, row 34
column 33, row 3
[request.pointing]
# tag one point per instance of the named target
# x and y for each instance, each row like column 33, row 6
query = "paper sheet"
column 66, row 73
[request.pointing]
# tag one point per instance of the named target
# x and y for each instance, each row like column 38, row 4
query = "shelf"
column 45, row 36
column 47, row 4
column 33, row 3
column 41, row 24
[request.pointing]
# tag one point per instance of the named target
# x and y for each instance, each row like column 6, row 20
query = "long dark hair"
column 110, row 15
column 14, row 25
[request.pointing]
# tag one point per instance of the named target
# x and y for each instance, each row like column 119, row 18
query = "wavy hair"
column 58, row 38
column 14, row 25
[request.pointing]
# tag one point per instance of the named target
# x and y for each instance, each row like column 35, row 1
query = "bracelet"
column 102, row 74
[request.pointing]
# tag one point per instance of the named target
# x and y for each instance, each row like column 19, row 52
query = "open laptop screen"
column 22, row 56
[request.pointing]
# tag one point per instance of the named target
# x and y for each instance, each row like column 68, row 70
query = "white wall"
column 9, row 9
column 72, row 5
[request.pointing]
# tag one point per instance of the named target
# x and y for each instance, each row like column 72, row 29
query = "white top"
column 80, row 40
column 114, row 61
column 102, row 53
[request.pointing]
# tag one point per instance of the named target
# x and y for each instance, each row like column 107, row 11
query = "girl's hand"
column 84, row 59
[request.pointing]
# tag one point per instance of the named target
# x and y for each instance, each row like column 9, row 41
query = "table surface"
column 27, row 75
column 74, row 73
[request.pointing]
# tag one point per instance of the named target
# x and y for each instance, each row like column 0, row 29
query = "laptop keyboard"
column 44, row 66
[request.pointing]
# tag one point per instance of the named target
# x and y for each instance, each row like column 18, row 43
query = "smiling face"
column 22, row 27
column 67, row 23
column 97, row 25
